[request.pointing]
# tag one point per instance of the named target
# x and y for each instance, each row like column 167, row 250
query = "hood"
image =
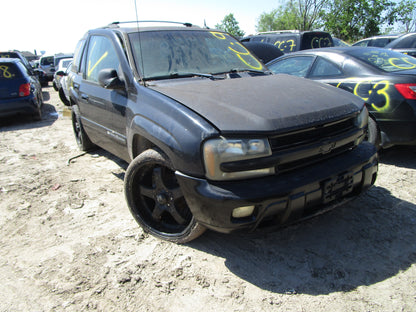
column 274, row 103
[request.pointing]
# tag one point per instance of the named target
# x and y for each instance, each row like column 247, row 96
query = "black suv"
column 293, row 40
column 213, row 139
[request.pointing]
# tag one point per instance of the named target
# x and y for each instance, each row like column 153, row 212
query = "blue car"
column 20, row 92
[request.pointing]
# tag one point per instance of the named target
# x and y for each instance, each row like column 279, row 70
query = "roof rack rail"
column 278, row 32
column 115, row 24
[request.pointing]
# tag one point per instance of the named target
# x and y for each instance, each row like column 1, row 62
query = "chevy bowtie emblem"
column 327, row 147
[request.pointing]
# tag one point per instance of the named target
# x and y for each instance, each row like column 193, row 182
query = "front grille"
column 306, row 147
column 311, row 135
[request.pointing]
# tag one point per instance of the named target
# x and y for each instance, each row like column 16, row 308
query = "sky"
column 55, row 26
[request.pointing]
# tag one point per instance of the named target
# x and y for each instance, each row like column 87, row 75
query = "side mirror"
column 60, row 73
column 108, row 79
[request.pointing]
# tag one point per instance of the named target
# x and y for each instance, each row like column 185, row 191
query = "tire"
column 156, row 201
column 38, row 113
column 54, row 86
column 63, row 97
column 373, row 133
column 83, row 141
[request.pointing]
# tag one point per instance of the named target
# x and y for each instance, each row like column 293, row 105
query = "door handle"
column 76, row 85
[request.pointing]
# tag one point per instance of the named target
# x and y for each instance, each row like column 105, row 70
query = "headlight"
column 221, row 150
column 361, row 120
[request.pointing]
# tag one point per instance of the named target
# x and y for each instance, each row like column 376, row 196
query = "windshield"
column 176, row 53
column 389, row 61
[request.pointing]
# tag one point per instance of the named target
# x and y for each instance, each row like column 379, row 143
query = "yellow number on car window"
column 395, row 59
column 5, row 71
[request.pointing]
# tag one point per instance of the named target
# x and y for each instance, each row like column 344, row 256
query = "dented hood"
column 272, row 103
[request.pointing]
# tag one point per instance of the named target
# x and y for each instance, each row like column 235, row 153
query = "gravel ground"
column 69, row 243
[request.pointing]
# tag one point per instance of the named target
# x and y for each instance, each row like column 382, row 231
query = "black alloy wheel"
column 156, row 201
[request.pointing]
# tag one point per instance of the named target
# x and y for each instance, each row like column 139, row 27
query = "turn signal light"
column 24, row 89
column 408, row 90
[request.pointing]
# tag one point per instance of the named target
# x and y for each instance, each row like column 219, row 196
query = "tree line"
column 349, row 20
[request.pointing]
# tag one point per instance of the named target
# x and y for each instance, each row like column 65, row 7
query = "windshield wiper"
column 174, row 75
column 246, row 70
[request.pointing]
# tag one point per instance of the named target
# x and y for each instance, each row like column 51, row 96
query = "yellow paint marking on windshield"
column 246, row 53
column 241, row 55
column 5, row 71
column 90, row 69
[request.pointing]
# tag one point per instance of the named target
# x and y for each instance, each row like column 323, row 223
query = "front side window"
column 296, row 66
column 101, row 55
column 169, row 54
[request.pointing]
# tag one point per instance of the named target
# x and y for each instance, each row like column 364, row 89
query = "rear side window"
column 296, row 66
column 9, row 71
column 324, row 68
column 315, row 40
column 77, row 56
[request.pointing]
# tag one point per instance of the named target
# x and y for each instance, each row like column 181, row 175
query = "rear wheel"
column 83, row 141
column 38, row 113
column 156, row 201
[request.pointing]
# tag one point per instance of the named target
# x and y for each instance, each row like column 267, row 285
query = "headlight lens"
column 221, row 150
column 361, row 120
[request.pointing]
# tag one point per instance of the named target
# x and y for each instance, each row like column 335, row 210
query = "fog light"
column 242, row 212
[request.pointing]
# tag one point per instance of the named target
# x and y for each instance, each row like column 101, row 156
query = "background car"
column 65, row 84
column 46, row 63
column 35, row 72
column 293, row 40
column 404, row 44
column 340, row 43
column 264, row 51
column 384, row 79
column 20, row 92
column 376, row 41
column 62, row 66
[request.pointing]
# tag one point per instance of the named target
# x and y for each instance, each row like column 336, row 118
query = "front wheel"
column 373, row 133
column 156, row 201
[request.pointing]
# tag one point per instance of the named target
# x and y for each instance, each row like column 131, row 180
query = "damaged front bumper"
column 282, row 198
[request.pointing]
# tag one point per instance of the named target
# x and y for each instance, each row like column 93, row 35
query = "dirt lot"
column 69, row 243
